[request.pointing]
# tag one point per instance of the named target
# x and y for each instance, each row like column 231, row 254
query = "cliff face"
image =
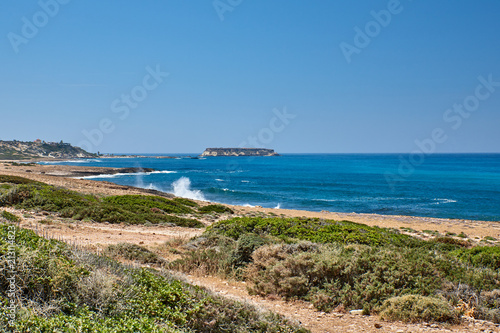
column 239, row 152
column 17, row 150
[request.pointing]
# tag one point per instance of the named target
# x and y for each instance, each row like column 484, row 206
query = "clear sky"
column 318, row 76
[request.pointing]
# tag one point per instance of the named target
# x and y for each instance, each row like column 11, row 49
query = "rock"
column 356, row 312
column 377, row 325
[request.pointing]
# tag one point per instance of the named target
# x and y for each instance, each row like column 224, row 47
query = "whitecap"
column 115, row 175
column 443, row 201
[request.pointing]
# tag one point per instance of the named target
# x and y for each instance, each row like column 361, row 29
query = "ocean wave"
column 220, row 180
column 443, row 201
column 326, row 200
column 87, row 160
column 248, row 205
column 182, row 188
column 131, row 174
column 245, row 181
column 151, row 186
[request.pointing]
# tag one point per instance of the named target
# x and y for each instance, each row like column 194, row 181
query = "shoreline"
column 64, row 176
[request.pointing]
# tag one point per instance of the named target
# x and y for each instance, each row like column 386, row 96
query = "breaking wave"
column 182, row 188
column 116, row 175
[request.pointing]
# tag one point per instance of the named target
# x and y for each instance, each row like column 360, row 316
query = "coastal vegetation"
column 132, row 209
column 341, row 264
column 61, row 289
column 333, row 265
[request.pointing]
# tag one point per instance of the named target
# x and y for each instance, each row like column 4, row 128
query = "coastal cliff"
column 18, row 150
column 239, row 152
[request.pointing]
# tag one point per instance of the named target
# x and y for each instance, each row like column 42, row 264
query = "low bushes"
column 350, row 265
column 480, row 256
column 61, row 290
column 134, row 252
column 416, row 308
column 314, row 230
column 143, row 202
column 219, row 255
column 354, row 276
column 133, row 209
column 215, row 209
column 9, row 216
column 16, row 180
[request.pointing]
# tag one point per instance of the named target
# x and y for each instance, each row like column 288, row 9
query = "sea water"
column 463, row 186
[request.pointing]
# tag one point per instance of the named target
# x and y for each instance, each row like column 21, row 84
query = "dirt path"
column 96, row 236
column 320, row 322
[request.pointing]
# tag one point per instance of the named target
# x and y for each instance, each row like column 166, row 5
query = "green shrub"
column 135, row 252
column 480, row 256
column 140, row 202
column 62, row 290
column 215, row 209
column 314, row 230
column 133, row 209
column 5, row 186
column 185, row 202
column 416, row 308
column 245, row 246
column 452, row 241
column 208, row 255
column 16, row 180
column 10, row 217
column 354, row 276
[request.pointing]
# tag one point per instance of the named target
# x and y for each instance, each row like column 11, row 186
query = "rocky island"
column 239, row 152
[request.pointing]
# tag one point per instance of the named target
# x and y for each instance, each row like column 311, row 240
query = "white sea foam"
column 220, row 180
column 325, row 200
column 248, row 205
column 443, row 201
column 86, row 160
column 278, row 206
column 182, row 188
column 245, row 181
column 126, row 174
column 227, row 190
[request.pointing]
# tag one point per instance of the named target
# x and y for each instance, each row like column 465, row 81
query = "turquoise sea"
column 463, row 186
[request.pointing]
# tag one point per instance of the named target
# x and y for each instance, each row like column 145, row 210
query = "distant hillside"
column 18, row 150
column 239, row 152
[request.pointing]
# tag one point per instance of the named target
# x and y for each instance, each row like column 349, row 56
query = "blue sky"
column 271, row 73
